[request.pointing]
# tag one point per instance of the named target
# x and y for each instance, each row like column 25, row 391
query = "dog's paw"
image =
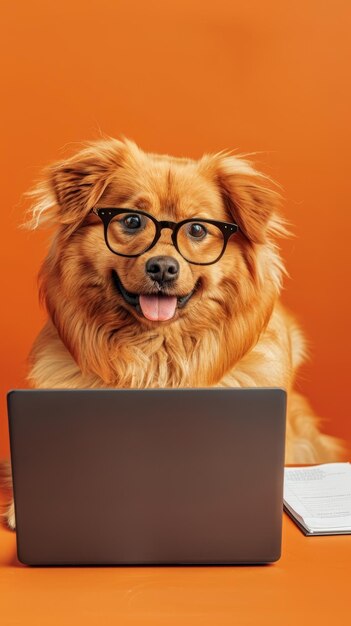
column 10, row 516
column 7, row 507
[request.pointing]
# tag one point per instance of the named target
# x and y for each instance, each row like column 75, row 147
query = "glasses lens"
column 200, row 242
column 130, row 233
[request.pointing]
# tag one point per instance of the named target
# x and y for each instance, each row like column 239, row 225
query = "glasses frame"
column 106, row 214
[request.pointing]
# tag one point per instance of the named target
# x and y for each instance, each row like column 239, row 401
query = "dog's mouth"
column 157, row 306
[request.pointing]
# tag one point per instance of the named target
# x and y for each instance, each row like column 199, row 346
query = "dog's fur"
column 233, row 332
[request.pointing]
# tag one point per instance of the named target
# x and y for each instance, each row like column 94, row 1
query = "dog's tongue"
column 158, row 308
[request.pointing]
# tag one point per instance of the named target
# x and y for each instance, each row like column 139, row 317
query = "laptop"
column 148, row 477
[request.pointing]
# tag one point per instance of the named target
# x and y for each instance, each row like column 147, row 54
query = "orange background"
column 189, row 77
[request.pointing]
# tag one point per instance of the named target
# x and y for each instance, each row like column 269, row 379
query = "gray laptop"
column 127, row 477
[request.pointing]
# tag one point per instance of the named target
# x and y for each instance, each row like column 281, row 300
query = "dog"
column 165, row 272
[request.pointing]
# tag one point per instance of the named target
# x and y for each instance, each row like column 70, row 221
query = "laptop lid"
column 160, row 476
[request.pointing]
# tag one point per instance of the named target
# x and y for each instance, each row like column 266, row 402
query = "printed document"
column 318, row 498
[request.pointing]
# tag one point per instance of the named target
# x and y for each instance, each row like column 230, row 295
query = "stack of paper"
column 318, row 498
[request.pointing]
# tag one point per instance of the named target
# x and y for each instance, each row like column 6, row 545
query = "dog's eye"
column 132, row 222
column 197, row 231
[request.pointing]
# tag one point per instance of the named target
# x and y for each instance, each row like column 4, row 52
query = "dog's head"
column 155, row 246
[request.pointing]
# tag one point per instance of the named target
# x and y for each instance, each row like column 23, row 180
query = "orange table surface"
column 310, row 584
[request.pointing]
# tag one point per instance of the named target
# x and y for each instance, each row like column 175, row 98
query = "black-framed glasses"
column 131, row 233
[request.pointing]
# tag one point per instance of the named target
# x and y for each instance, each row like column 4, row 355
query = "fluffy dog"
column 170, row 316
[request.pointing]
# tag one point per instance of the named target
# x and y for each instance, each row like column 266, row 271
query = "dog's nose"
column 162, row 268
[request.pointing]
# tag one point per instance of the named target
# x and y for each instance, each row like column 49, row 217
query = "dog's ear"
column 248, row 195
column 79, row 183
column 70, row 188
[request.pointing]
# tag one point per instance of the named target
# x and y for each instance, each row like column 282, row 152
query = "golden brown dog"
column 137, row 295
